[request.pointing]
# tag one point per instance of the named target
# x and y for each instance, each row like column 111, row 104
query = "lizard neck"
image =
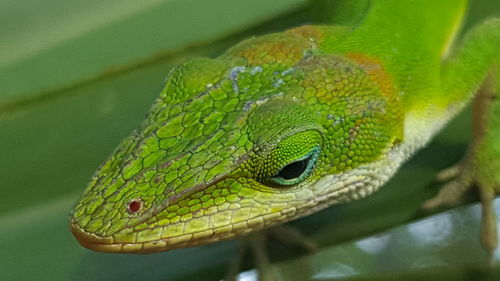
column 424, row 122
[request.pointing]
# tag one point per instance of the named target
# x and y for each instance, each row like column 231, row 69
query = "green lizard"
column 283, row 125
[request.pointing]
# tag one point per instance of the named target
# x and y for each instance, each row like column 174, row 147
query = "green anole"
column 285, row 124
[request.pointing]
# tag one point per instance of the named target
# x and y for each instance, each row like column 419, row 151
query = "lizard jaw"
column 93, row 242
column 111, row 245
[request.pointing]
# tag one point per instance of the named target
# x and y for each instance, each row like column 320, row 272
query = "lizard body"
column 285, row 124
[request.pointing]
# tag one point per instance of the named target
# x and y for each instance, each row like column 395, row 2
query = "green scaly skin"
column 283, row 125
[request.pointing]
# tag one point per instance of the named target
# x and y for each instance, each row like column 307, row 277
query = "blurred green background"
column 77, row 76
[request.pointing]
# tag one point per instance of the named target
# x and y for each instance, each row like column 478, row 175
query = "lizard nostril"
column 134, row 206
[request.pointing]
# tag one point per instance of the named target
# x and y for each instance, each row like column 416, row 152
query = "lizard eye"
column 290, row 161
column 134, row 206
column 298, row 170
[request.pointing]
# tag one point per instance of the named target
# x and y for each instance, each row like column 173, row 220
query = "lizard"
column 286, row 124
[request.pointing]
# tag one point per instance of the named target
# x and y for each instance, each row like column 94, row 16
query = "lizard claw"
column 459, row 179
column 449, row 173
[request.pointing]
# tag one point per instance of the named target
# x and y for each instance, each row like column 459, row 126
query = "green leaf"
column 429, row 249
column 52, row 43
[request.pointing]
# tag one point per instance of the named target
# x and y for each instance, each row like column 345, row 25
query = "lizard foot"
column 459, row 179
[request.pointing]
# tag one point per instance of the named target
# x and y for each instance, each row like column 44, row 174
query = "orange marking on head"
column 373, row 67
column 312, row 33
column 282, row 48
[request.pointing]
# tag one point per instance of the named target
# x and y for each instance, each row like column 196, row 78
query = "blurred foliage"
column 77, row 76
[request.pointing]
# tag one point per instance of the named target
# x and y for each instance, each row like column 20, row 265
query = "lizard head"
column 264, row 134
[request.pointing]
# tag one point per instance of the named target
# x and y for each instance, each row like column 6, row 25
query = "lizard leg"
column 292, row 236
column 476, row 63
column 486, row 162
column 237, row 261
column 480, row 167
column 257, row 243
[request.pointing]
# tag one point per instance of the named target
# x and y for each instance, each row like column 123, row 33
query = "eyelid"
column 313, row 154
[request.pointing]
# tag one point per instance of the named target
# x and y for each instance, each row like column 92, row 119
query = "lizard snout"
column 93, row 242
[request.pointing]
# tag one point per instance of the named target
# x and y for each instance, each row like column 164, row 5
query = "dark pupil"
column 293, row 170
